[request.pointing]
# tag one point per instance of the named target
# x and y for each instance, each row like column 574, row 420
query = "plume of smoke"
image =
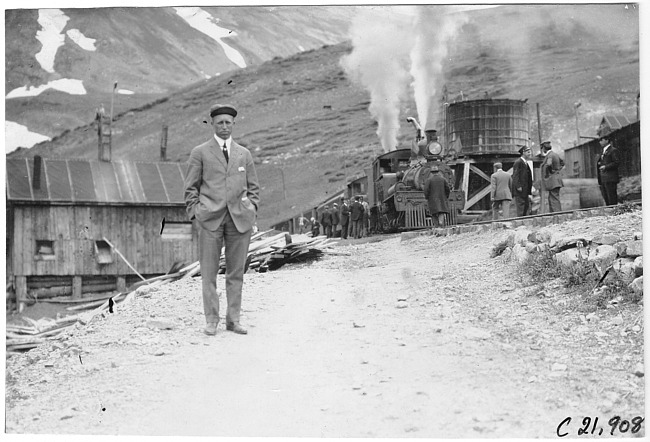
column 434, row 27
column 382, row 39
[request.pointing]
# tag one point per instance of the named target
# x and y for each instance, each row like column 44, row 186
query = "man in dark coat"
column 551, row 169
column 345, row 218
column 522, row 181
column 607, row 167
column 436, row 191
column 326, row 221
column 356, row 217
column 334, row 213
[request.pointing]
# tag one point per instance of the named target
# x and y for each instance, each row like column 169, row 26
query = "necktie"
column 225, row 152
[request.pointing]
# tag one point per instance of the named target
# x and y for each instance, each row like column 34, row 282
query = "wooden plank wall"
column 134, row 231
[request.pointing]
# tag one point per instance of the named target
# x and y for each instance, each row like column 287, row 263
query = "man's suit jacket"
column 356, row 211
column 521, row 177
column 552, row 171
column 214, row 187
column 345, row 213
column 610, row 160
column 500, row 183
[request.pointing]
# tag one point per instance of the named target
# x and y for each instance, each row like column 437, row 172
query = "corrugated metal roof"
column 94, row 181
column 615, row 121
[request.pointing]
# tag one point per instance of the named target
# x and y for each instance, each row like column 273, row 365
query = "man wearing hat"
column 500, row 184
column 344, row 216
column 551, row 176
column 522, row 181
column 436, row 191
column 222, row 194
column 607, row 169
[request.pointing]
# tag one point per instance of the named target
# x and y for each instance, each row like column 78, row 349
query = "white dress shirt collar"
column 221, row 141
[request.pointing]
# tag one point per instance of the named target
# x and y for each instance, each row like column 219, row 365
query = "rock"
column 606, row 239
column 637, row 285
column 558, row 367
column 568, row 242
column 624, row 269
column 521, row 236
column 401, row 304
column 638, row 265
column 639, row 370
column 592, row 317
column 160, row 324
column 602, row 257
column 634, row 248
column 531, row 247
column 638, row 235
column 617, row 320
column 569, row 257
column 520, row 254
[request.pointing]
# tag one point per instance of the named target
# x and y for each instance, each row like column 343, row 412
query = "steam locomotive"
column 476, row 134
column 398, row 179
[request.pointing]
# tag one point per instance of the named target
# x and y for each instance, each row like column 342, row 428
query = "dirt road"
column 427, row 337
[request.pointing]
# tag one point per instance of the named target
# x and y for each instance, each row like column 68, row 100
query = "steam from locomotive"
column 394, row 46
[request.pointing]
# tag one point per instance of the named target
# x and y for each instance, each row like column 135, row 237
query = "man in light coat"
column 551, row 169
column 222, row 194
column 500, row 183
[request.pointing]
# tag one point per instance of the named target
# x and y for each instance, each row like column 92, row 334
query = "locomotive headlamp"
column 434, row 148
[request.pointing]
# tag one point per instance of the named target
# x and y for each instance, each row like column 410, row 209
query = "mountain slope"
column 308, row 124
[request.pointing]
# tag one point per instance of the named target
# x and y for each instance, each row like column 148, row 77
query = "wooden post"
column 76, row 287
column 21, row 292
column 163, row 143
column 121, row 284
column 539, row 127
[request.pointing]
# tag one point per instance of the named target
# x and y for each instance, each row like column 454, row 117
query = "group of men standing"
column 519, row 185
column 348, row 219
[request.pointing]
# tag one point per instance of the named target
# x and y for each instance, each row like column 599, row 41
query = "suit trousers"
column 554, row 204
column 522, row 204
column 610, row 194
column 210, row 245
column 500, row 209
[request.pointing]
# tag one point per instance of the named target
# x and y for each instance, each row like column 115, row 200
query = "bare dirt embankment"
column 421, row 337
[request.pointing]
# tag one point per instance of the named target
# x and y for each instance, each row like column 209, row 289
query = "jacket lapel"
column 215, row 150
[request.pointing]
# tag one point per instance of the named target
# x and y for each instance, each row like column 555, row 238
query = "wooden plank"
column 76, row 287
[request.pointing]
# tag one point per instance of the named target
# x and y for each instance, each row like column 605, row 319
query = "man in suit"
column 607, row 167
column 551, row 169
column 326, row 221
column 500, row 183
column 345, row 218
column 222, row 194
column 436, row 191
column 334, row 214
column 522, row 181
column 356, row 217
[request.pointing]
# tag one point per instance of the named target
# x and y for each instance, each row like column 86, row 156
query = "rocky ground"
column 396, row 336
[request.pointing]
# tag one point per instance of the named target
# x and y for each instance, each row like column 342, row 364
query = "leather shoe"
column 236, row 328
column 210, row 329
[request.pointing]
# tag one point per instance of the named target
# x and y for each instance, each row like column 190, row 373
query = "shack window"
column 176, row 231
column 44, row 250
column 576, row 168
column 103, row 252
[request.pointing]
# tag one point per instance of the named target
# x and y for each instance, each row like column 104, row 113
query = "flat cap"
column 218, row 109
column 498, row 165
column 435, row 168
column 545, row 142
column 522, row 148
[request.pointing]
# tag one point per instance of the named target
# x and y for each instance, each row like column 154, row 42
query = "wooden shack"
column 79, row 226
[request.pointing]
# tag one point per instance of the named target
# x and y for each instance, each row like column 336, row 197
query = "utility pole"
column 576, row 106
column 112, row 100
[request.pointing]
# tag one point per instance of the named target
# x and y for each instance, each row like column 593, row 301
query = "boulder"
column 637, row 285
column 634, row 248
column 568, row 242
column 570, row 257
column 606, row 239
column 521, row 235
column 531, row 247
column 602, row 257
column 520, row 254
column 624, row 269
column 638, row 265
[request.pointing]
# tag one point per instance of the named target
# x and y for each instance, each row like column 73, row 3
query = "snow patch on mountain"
column 72, row 87
column 52, row 22
column 17, row 135
column 204, row 22
column 81, row 40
